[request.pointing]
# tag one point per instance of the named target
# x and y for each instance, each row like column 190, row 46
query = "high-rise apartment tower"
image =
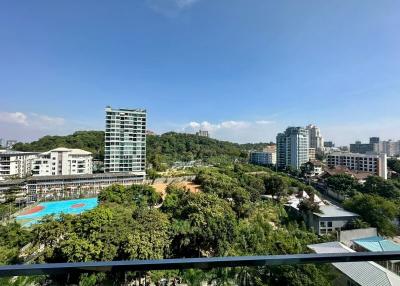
column 315, row 138
column 125, row 141
column 292, row 147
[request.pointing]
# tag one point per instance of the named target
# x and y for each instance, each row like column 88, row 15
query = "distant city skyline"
column 242, row 71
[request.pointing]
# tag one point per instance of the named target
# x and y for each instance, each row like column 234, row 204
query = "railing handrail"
column 186, row 263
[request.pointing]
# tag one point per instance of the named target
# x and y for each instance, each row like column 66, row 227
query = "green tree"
column 394, row 164
column 276, row 186
column 138, row 195
column 149, row 237
column 12, row 238
column 379, row 186
column 375, row 210
column 206, row 226
column 152, row 174
column 225, row 187
column 343, row 184
column 308, row 205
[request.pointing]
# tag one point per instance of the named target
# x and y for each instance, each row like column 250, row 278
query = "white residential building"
column 371, row 163
column 263, row 158
column 292, row 147
column 15, row 163
column 62, row 161
column 315, row 138
column 125, row 141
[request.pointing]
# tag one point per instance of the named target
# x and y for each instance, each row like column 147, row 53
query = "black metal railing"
column 187, row 263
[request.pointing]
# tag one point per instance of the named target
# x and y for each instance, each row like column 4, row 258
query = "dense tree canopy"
column 171, row 147
column 227, row 217
column 139, row 195
column 377, row 211
column 12, row 238
column 394, row 164
column 343, row 184
column 276, row 186
column 161, row 150
column 379, row 186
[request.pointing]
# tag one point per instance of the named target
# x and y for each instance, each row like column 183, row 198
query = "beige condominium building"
column 375, row 164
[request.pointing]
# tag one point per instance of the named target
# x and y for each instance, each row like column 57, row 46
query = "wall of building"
column 337, row 223
column 346, row 236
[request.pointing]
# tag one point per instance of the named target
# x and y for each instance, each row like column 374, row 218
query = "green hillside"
column 167, row 148
column 171, row 147
column 92, row 141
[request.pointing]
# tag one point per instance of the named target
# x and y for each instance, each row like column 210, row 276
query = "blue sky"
column 243, row 69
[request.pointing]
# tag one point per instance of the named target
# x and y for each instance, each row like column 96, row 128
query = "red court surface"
column 33, row 210
column 77, row 206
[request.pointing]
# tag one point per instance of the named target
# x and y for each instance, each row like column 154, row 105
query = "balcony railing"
column 188, row 263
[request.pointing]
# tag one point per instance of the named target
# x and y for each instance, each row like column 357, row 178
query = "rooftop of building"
column 349, row 154
column 72, row 151
column 377, row 243
column 261, row 152
column 363, row 273
column 359, row 175
column 38, row 179
column 15, row 153
column 109, row 108
column 334, row 211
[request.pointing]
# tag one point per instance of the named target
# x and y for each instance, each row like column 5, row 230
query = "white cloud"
column 30, row 120
column 13, row 118
column 266, row 130
column 45, row 121
column 236, row 130
column 28, row 126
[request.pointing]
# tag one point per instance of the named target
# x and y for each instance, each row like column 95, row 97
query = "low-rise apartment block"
column 62, row 161
column 263, row 158
column 38, row 187
column 371, row 163
column 15, row 163
column 203, row 133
